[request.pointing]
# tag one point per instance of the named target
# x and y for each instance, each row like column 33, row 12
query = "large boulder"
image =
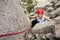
column 45, row 26
column 46, row 30
column 12, row 19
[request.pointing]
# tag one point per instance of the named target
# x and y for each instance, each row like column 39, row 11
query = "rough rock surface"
column 12, row 19
column 45, row 29
column 57, row 30
column 57, row 20
column 43, row 25
column 43, row 3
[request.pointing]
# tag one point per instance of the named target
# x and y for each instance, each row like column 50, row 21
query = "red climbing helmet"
column 40, row 11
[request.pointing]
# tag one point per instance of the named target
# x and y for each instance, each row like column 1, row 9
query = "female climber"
column 40, row 17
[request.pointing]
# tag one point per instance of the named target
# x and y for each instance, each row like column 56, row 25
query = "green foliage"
column 23, row 0
column 29, row 5
column 29, row 1
column 29, row 8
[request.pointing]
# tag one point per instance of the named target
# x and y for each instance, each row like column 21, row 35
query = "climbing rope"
column 14, row 33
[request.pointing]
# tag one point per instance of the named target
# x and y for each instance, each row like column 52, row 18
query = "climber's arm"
column 47, row 18
column 31, row 17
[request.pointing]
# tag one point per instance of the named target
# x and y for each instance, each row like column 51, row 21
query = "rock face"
column 43, row 3
column 45, row 29
column 57, row 27
column 43, row 25
column 52, row 9
column 57, row 30
column 57, row 20
column 12, row 19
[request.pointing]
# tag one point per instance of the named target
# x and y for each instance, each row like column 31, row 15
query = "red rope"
column 14, row 33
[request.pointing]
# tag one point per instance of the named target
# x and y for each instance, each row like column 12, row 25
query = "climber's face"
column 40, row 12
column 40, row 15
